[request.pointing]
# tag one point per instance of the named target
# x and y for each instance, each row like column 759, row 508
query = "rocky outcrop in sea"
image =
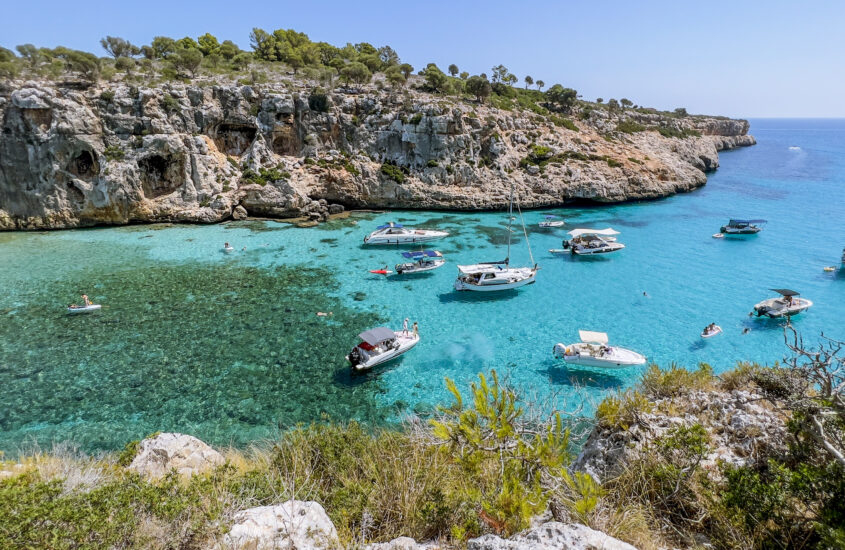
column 75, row 154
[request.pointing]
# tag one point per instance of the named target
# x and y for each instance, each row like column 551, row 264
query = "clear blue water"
column 230, row 348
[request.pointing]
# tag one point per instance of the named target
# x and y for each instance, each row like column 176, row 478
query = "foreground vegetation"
column 487, row 463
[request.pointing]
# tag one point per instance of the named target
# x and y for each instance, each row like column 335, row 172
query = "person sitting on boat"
column 226, row 245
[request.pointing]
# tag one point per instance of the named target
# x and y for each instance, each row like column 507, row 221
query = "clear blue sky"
column 738, row 58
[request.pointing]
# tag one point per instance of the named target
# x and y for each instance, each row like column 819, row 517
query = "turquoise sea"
column 229, row 347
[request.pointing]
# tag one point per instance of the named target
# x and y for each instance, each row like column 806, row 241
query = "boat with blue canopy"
column 738, row 227
column 396, row 233
column 421, row 261
column 552, row 221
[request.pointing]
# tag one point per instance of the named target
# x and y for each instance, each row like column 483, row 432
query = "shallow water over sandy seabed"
column 229, row 347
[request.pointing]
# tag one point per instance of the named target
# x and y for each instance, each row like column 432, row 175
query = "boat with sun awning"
column 588, row 242
column 421, row 261
column 380, row 345
column 593, row 351
column 787, row 304
column 739, row 228
column 552, row 221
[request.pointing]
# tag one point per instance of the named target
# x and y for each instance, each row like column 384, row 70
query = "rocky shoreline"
column 76, row 155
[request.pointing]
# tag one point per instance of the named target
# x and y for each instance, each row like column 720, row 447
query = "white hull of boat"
column 403, row 344
column 777, row 307
column 506, row 279
column 417, row 236
column 84, row 309
column 591, row 355
column 228, row 249
column 552, row 224
column 611, row 247
column 415, row 267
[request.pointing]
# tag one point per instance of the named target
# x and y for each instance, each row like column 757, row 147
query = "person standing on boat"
column 416, row 330
column 405, row 327
column 85, row 300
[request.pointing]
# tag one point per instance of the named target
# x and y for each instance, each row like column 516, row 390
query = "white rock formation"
column 294, row 525
column 552, row 536
column 172, row 451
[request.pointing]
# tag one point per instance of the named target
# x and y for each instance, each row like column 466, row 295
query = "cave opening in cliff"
column 161, row 174
column 84, row 165
column 233, row 138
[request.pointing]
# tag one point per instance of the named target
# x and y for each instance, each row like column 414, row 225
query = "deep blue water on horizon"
column 229, row 347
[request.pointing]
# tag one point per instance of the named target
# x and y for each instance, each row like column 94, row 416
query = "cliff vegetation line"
column 200, row 130
column 749, row 459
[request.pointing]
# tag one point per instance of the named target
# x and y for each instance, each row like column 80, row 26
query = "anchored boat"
column 423, row 261
column 394, row 233
column 552, row 221
column 593, row 351
column 496, row 276
column 378, row 346
column 740, row 228
column 588, row 242
column 787, row 305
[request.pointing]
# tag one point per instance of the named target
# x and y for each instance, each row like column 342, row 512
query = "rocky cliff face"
column 75, row 156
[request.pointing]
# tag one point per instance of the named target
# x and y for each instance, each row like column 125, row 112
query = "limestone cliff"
column 77, row 155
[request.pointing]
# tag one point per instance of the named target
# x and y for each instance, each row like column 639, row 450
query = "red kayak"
column 381, row 271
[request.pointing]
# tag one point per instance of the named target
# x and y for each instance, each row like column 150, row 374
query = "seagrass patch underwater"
column 228, row 352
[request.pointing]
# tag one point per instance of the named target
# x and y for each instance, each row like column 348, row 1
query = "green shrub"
column 630, row 127
column 622, row 410
column 393, row 172
column 114, row 152
column 563, row 122
column 613, row 163
column 169, row 103
column 107, row 96
column 432, row 163
column 416, row 119
column 676, row 380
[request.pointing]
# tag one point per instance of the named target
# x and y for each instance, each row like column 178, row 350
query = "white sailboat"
column 497, row 276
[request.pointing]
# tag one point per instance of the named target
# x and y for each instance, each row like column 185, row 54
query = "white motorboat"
column 496, row 276
column 787, row 305
column 588, row 242
column 739, row 228
column 83, row 309
column 552, row 221
column 593, row 351
column 378, row 346
column 423, row 261
column 395, row 233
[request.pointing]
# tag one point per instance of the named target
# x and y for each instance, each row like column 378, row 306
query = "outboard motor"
column 354, row 357
column 559, row 350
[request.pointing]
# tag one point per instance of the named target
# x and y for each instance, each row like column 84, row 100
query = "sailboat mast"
column 510, row 221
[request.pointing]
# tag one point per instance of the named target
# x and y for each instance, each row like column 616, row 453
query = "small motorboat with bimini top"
column 380, row 345
column 552, row 221
column 394, row 233
column 423, row 261
column 593, row 351
column 497, row 276
column 740, row 228
column 588, row 242
column 786, row 305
